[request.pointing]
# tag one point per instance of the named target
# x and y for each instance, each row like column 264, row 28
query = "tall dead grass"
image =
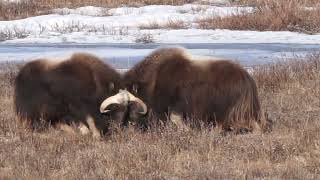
column 10, row 11
column 255, row 2
column 283, row 72
column 271, row 15
column 171, row 23
column 290, row 92
column 275, row 15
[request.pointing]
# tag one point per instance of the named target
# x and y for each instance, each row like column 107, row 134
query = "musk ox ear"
column 140, row 103
column 136, row 107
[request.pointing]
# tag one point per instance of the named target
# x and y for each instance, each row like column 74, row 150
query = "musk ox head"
column 131, row 109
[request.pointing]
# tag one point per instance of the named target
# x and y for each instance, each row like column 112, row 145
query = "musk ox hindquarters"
column 218, row 92
column 49, row 92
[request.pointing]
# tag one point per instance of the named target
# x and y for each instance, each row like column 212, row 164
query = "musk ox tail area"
column 30, row 93
column 246, row 114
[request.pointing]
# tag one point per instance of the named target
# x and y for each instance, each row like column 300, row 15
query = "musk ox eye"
column 111, row 86
column 135, row 89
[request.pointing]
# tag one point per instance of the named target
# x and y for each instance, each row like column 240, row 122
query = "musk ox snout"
column 123, row 98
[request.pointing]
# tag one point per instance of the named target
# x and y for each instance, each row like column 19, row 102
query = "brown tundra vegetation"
column 289, row 92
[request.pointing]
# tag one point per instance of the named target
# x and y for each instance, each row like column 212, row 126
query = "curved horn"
column 139, row 101
column 116, row 99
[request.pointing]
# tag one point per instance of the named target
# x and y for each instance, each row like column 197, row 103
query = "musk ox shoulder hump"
column 177, row 51
column 45, row 63
column 180, row 53
column 84, row 57
column 92, row 61
column 167, row 53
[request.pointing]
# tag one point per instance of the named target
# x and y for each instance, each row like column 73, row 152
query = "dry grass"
column 287, row 71
column 20, row 32
column 153, row 24
column 38, row 7
column 172, row 23
column 255, row 2
column 289, row 91
column 274, row 15
column 13, row 33
column 10, row 11
column 144, row 38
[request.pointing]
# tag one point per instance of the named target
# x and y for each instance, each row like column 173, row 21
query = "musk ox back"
column 218, row 92
column 48, row 92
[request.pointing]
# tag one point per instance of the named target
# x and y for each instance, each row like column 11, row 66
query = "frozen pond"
column 124, row 56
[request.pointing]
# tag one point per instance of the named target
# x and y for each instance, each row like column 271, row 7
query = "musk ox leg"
column 92, row 126
column 66, row 128
column 84, row 130
column 177, row 119
column 85, row 118
column 256, row 128
column 218, row 128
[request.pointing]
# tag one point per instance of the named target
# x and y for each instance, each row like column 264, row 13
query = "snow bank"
column 174, row 36
column 123, row 25
column 86, row 11
column 102, row 23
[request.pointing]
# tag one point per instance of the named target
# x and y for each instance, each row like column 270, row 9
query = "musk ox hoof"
column 96, row 136
column 66, row 128
column 93, row 128
column 84, row 130
column 177, row 120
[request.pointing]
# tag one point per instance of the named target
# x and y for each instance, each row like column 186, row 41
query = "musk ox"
column 68, row 91
column 214, row 91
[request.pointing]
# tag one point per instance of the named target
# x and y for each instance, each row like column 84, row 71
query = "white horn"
column 116, row 99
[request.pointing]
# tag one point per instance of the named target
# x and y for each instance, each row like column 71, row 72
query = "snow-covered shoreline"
column 102, row 29
column 176, row 36
column 123, row 25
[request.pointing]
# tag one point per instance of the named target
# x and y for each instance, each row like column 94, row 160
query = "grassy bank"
column 271, row 15
column 39, row 7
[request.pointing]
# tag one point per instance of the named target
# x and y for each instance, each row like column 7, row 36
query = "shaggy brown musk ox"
column 58, row 92
column 213, row 91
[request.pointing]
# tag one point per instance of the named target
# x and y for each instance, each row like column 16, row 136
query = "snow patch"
column 124, row 35
column 124, row 25
column 85, row 11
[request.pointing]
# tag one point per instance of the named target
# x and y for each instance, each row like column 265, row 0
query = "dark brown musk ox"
column 49, row 92
column 212, row 91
